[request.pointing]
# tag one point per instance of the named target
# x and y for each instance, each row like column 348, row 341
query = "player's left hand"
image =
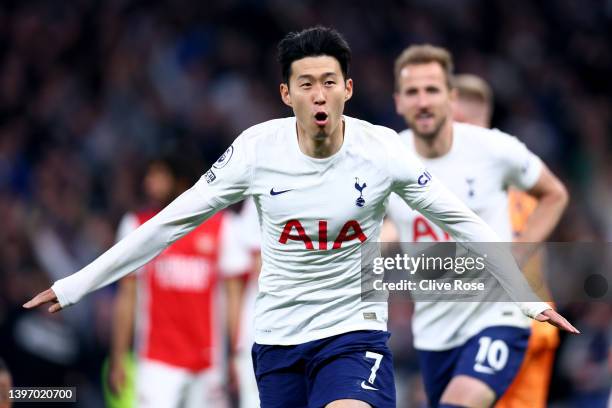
column 554, row 318
column 44, row 297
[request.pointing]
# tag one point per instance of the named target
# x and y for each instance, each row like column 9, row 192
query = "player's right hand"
column 44, row 297
column 116, row 377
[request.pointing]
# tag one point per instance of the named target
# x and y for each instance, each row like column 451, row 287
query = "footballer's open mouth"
column 321, row 118
column 424, row 116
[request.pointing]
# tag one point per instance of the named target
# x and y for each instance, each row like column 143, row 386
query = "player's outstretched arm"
column 464, row 226
column 194, row 206
column 139, row 247
column 176, row 220
column 423, row 192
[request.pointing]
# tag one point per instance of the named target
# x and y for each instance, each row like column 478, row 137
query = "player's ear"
column 348, row 89
column 396, row 99
column 453, row 94
column 285, row 96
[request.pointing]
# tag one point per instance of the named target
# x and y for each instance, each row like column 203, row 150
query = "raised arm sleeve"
column 226, row 182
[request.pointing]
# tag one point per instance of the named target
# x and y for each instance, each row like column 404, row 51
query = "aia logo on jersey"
column 424, row 178
column 294, row 231
column 360, row 202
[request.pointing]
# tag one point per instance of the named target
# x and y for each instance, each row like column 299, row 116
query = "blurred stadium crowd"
column 91, row 90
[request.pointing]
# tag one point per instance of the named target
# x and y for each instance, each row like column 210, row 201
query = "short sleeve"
column 522, row 167
column 226, row 182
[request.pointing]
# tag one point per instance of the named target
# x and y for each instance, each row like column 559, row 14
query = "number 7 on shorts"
column 377, row 359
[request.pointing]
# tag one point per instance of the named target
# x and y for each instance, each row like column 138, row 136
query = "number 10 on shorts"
column 492, row 355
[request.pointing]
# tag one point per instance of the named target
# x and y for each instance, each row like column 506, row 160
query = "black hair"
column 170, row 162
column 184, row 167
column 313, row 42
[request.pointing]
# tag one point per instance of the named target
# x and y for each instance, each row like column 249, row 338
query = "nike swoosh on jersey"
column 272, row 192
column 479, row 368
column 367, row 387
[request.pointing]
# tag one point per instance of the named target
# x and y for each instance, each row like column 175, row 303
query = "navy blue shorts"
column 355, row 365
column 493, row 356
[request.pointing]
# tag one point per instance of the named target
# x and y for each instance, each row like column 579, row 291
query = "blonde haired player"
column 469, row 352
column 474, row 105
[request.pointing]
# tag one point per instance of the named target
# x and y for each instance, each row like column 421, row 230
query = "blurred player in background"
column 250, row 238
column 474, row 105
column 320, row 181
column 174, row 304
column 469, row 351
column 6, row 382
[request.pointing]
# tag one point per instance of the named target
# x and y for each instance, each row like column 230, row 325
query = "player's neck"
column 438, row 145
column 320, row 147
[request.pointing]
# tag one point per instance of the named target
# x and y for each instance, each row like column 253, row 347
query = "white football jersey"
column 315, row 215
column 479, row 167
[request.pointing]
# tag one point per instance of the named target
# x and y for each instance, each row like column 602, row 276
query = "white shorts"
column 165, row 386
